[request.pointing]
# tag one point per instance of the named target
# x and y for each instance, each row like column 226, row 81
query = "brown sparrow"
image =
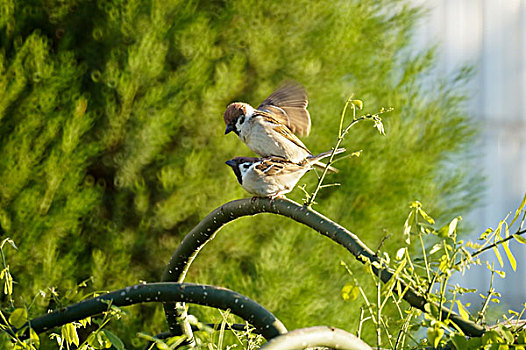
column 269, row 129
column 272, row 176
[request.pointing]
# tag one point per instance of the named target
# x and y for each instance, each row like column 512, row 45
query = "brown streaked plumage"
column 288, row 104
column 272, row 176
column 269, row 129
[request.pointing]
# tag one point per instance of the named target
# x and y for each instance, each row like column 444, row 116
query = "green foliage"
column 430, row 273
column 112, row 146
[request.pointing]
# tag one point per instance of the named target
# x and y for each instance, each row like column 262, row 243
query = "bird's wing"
column 276, row 166
column 280, row 128
column 289, row 106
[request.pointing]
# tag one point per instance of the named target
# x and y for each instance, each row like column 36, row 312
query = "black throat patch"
column 241, row 121
column 238, row 174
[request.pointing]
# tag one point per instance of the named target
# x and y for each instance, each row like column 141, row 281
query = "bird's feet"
column 273, row 198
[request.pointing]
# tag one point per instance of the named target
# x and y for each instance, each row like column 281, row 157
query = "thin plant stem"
column 400, row 339
column 443, row 285
column 362, row 320
column 225, row 315
column 482, row 312
column 386, row 329
column 378, row 311
column 341, row 135
column 425, row 257
column 493, row 245
column 343, row 114
column 519, row 232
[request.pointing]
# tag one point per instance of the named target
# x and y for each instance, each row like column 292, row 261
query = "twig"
column 493, row 245
column 341, row 135
column 482, row 312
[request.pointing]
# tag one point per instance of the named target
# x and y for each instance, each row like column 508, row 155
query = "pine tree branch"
column 206, row 230
column 264, row 322
column 316, row 337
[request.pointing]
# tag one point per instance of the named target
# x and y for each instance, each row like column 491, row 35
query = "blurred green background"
column 112, row 145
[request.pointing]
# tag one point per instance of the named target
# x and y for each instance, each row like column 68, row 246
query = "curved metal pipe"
column 264, row 321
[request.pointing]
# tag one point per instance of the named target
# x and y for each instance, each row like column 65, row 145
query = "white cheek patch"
column 243, row 168
column 240, row 121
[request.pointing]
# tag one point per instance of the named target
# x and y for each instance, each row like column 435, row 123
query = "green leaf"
column 357, row 153
column 415, row 205
column 400, row 253
column 459, row 341
column 18, row 317
column 435, row 334
column 10, row 241
column 426, row 216
column 33, row 338
column 357, row 103
column 462, row 311
column 8, row 284
column 499, row 257
column 452, row 229
column 510, row 256
column 492, row 337
column 507, row 335
column 519, row 238
column 86, row 321
column 431, row 309
column 435, row 248
column 474, row 343
column 98, row 340
column 399, row 269
column 485, row 234
column 57, row 337
column 444, row 263
column 69, row 333
column 506, row 246
column 379, row 126
column 519, row 209
column 115, row 341
column 407, row 226
column 350, row 292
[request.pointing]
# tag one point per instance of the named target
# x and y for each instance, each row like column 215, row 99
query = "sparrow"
column 270, row 129
column 272, row 176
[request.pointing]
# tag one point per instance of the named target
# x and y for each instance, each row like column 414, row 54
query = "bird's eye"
column 245, row 166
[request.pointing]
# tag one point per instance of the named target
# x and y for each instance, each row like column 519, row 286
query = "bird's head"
column 235, row 115
column 240, row 166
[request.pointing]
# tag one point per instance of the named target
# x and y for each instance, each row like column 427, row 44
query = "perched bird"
column 269, row 129
column 272, row 176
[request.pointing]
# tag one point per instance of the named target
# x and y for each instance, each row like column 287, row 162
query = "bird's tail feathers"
column 315, row 160
column 324, row 155
column 321, row 166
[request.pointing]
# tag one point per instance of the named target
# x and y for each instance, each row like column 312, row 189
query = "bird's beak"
column 229, row 128
column 230, row 163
